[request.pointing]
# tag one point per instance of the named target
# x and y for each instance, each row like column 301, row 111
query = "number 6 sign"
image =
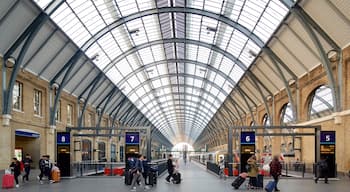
column 248, row 137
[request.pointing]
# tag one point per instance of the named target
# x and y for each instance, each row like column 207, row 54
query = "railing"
column 92, row 168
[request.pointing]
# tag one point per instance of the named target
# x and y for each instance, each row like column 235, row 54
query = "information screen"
column 63, row 138
column 248, row 137
column 327, row 137
column 132, row 138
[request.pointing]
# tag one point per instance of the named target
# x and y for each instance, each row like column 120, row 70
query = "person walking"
column 16, row 169
column 221, row 164
column 252, row 171
column 45, row 166
column 170, row 167
column 322, row 170
column 138, row 171
column 275, row 170
column 27, row 163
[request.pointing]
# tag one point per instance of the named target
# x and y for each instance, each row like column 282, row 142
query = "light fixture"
column 95, row 57
column 211, row 29
column 252, row 53
column 134, row 31
column 10, row 62
column 81, row 100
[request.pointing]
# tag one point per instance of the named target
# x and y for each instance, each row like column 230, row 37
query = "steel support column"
column 230, row 149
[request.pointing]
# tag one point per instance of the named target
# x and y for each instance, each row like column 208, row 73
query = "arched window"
column 267, row 139
column 86, row 150
column 102, row 151
column 321, row 102
column 286, row 118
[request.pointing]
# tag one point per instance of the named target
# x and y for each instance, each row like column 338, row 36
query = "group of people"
column 275, row 165
column 139, row 169
column 17, row 167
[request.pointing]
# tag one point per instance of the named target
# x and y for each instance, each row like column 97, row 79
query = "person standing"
column 322, row 168
column 27, row 162
column 252, row 171
column 138, row 171
column 16, row 169
column 275, row 170
column 170, row 167
column 221, row 167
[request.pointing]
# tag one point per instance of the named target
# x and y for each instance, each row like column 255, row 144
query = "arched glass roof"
column 176, row 60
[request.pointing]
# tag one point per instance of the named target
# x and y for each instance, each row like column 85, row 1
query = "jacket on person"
column 16, row 167
column 275, row 168
column 27, row 161
column 139, row 166
column 253, row 171
column 170, row 165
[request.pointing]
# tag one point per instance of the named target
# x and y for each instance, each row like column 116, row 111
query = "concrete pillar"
column 7, row 142
column 50, row 142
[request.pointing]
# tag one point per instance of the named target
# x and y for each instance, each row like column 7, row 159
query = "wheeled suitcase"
column 270, row 186
column 152, row 178
column 128, row 178
column 238, row 182
column 177, row 178
column 56, row 175
column 8, row 181
column 260, row 181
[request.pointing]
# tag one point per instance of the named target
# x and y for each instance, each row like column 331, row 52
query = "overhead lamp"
column 95, row 57
column 211, row 29
column 252, row 53
column 81, row 100
column 10, row 62
column 134, row 31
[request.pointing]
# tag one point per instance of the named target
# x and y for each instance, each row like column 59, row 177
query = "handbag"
column 7, row 171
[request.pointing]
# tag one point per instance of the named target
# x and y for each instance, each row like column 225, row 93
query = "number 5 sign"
column 248, row 137
column 327, row 137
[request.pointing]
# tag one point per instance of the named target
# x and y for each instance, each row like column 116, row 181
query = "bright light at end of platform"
column 182, row 147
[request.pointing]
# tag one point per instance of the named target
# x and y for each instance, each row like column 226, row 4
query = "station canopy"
column 176, row 60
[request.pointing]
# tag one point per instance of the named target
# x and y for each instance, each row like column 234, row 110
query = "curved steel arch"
column 178, row 74
column 162, row 124
column 189, row 111
column 155, row 63
column 177, row 93
column 185, row 106
column 179, row 105
column 175, row 40
column 250, row 34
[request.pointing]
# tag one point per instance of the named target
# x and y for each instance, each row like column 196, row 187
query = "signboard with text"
column 327, row 137
column 132, row 138
column 63, row 138
column 247, row 137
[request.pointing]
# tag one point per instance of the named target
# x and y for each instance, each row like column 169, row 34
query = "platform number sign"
column 327, row 137
column 132, row 138
column 248, row 137
column 63, row 138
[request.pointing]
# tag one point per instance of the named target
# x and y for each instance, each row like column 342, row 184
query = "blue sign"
column 132, row 138
column 63, row 138
column 23, row 133
column 327, row 137
column 248, row 137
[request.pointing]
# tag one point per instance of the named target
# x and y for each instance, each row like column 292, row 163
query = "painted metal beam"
column 123, row 20
column 27, row 37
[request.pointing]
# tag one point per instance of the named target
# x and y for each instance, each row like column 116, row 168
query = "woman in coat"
column 252, row 171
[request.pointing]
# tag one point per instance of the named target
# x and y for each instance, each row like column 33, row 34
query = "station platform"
column 195, row 178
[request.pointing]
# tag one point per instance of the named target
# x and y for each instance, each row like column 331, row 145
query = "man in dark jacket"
column 275, row 170
column 27, row 161
column 170, row 167
column 16, row 169
column 322, row 168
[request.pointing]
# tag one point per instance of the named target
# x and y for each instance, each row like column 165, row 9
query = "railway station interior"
column 94, row 83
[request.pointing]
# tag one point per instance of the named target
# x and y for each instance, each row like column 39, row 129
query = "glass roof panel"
column 195, row 70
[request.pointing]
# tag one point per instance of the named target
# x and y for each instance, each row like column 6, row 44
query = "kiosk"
column 63, row 153
column 247, row 148
column 132, row 147
column 327, row 151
